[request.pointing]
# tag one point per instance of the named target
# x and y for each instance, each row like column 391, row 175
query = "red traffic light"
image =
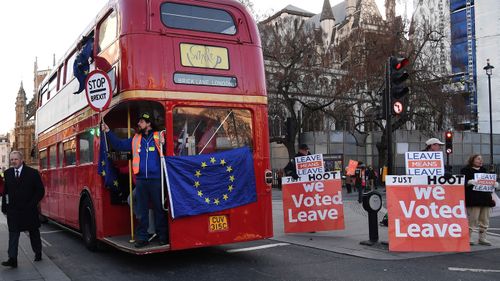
column 449, row 142
column 401, row 63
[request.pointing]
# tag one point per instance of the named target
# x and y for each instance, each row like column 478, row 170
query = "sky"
column 38, row 29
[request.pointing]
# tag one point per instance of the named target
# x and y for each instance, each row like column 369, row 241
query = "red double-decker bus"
column 197, row 68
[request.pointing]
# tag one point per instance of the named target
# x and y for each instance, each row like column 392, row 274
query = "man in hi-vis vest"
column 146, row 150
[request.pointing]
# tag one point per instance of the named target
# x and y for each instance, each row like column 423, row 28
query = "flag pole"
column 132, row 240
column 104, row 133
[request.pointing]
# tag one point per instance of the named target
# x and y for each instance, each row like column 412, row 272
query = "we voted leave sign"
column 313, row 203
column 427, row 214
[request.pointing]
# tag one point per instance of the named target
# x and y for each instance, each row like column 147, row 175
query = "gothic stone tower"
column 24, row 130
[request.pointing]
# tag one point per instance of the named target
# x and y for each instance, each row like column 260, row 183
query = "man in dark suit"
column 23, row 191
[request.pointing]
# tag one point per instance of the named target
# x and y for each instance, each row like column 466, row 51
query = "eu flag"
column 210, row 182
column 81, row 66
column 105, row 167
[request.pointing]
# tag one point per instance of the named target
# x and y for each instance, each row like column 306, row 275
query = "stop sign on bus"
column 98, row 90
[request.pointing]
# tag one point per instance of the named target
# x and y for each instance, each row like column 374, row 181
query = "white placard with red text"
column 309, row 164
column 484, row 182
column 313, row 203
column 424, row 163
column 427, row 214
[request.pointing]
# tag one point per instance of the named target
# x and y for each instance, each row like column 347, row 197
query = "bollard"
column 372, row 203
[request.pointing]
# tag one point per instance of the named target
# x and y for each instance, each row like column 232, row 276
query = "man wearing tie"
column 23, row 191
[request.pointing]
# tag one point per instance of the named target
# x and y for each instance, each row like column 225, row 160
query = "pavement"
column 26, row 269
column 347, row 241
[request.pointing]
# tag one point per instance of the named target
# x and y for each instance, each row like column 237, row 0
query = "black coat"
column 475, row 198
column 23, row 194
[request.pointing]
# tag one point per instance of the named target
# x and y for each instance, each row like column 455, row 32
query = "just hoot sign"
column 427, row 214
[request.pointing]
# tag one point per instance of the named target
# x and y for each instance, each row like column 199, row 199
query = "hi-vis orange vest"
column 136, row 149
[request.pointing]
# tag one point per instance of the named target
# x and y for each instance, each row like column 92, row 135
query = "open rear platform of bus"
column 123, row 243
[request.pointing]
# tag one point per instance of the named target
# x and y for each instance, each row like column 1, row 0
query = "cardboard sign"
column 98, row 90
column 309, row 164
column 427, row 214
column 485, row 182
column 313, row 203
column 351, row 168
column 424, row 163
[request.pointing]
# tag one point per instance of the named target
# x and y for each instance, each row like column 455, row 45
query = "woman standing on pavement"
column 478, row 203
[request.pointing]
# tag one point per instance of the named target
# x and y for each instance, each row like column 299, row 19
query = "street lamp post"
column 488, row 68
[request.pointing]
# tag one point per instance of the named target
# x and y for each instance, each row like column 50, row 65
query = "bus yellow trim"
column 191, row 96
column 160, row 95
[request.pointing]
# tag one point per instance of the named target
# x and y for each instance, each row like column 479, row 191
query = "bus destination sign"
column 98, row 90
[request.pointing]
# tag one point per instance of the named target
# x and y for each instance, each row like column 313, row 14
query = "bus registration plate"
column 218, row 223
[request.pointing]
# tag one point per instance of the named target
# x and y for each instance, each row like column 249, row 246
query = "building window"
column 197, row 18
column 313, row 121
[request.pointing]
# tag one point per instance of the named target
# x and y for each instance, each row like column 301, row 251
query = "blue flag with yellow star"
column 81, row 66
column 210, row 182
column 105, row 167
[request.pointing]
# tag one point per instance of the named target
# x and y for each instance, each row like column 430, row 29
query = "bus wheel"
column 87, row 222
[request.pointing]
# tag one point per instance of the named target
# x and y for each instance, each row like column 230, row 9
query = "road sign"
column 397, row 107
column 98, row 90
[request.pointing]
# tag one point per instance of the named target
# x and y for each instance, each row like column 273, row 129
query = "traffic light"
column 448, row 142
column 397, row 82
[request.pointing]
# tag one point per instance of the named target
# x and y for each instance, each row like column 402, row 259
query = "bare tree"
column 429, row 106
column 344, row 81
column 301, row 73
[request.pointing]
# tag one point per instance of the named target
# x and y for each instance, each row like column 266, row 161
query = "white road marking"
column 48, row 232
column 257, row 247
column 46, row 243
column 473, row 269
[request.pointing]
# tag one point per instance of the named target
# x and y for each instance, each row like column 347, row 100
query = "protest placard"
column 351, row 168
column 313, row 203
column 484, row 182
column 427, row 214
column 309, row 164
column 424, row 163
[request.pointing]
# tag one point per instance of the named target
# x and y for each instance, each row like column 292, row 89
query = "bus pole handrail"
column 213, row 135
column 132, row 238
column 163, row 171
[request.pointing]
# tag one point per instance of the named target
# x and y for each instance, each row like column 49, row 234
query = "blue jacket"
column 149, row 165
